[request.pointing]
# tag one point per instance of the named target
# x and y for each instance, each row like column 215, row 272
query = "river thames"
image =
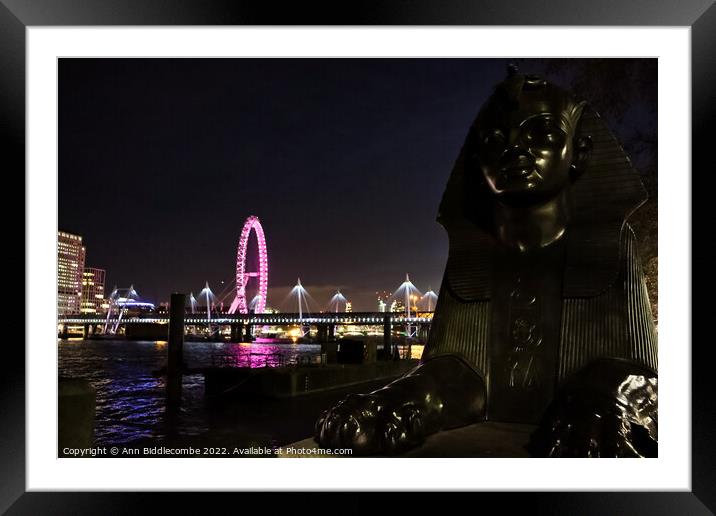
column 131, row 390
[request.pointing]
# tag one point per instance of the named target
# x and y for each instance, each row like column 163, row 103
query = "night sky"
column 343, row 160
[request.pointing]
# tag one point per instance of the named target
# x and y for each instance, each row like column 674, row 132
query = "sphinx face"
column 525, row 151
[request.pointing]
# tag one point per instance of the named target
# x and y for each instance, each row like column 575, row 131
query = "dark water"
column 130, row 395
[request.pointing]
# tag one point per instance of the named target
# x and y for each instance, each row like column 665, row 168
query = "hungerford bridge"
column 242, row 324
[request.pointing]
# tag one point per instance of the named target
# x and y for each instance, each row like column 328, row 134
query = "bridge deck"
column 347, row 318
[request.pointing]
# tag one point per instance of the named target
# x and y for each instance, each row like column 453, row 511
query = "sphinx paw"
column 588, row 433
column 370, row 425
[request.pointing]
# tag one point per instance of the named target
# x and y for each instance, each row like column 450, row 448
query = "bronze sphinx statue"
column 543, row 316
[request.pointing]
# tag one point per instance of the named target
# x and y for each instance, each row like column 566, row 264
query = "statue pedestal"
column 479, row 440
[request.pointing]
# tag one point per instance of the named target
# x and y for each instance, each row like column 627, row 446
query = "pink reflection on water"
column 263, row 353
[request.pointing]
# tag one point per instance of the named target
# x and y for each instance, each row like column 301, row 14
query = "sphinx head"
column 525, row 141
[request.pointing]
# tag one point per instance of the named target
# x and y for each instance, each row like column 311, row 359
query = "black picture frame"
column 16, row 15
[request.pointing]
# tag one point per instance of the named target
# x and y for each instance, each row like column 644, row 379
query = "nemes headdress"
column 604, row 195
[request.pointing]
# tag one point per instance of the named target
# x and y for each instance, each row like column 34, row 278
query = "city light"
column 336, row 301
column 429, row 300
column 210, row 297
column 405, row 291
column 301, row 297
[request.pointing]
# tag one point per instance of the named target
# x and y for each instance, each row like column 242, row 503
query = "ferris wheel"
column 243, row 276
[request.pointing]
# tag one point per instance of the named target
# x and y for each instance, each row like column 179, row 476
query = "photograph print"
column 299, row 257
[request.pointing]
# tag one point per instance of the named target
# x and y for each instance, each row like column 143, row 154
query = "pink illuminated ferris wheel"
column 243, row 276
